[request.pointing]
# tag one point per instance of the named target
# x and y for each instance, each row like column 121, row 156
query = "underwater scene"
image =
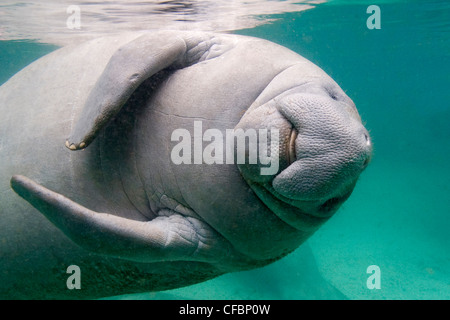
column 390, row 240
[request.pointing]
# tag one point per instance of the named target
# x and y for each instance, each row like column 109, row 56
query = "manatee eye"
column 291, row 156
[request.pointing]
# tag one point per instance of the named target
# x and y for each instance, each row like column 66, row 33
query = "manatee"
column 87, row 139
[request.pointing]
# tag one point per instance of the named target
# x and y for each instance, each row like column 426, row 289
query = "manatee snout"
column 323, row 148
column 332, row 148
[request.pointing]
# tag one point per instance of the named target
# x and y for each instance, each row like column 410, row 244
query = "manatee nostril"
column 367, row 140
column 368, row 150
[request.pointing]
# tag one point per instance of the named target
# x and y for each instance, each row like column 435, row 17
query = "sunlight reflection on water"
column 46, row 20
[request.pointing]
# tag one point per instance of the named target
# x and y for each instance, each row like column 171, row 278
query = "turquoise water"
column 398, row 217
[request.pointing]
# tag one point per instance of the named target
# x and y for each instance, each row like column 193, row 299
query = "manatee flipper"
column 129, row 66
column 166, row 238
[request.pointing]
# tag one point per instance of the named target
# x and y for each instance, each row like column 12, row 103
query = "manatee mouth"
column 290, row 211
column 290, row 150
column 331, row 204
column 304, row 215
column 310, row 208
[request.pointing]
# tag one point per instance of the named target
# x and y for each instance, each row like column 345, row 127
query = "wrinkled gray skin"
column 120, row 209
